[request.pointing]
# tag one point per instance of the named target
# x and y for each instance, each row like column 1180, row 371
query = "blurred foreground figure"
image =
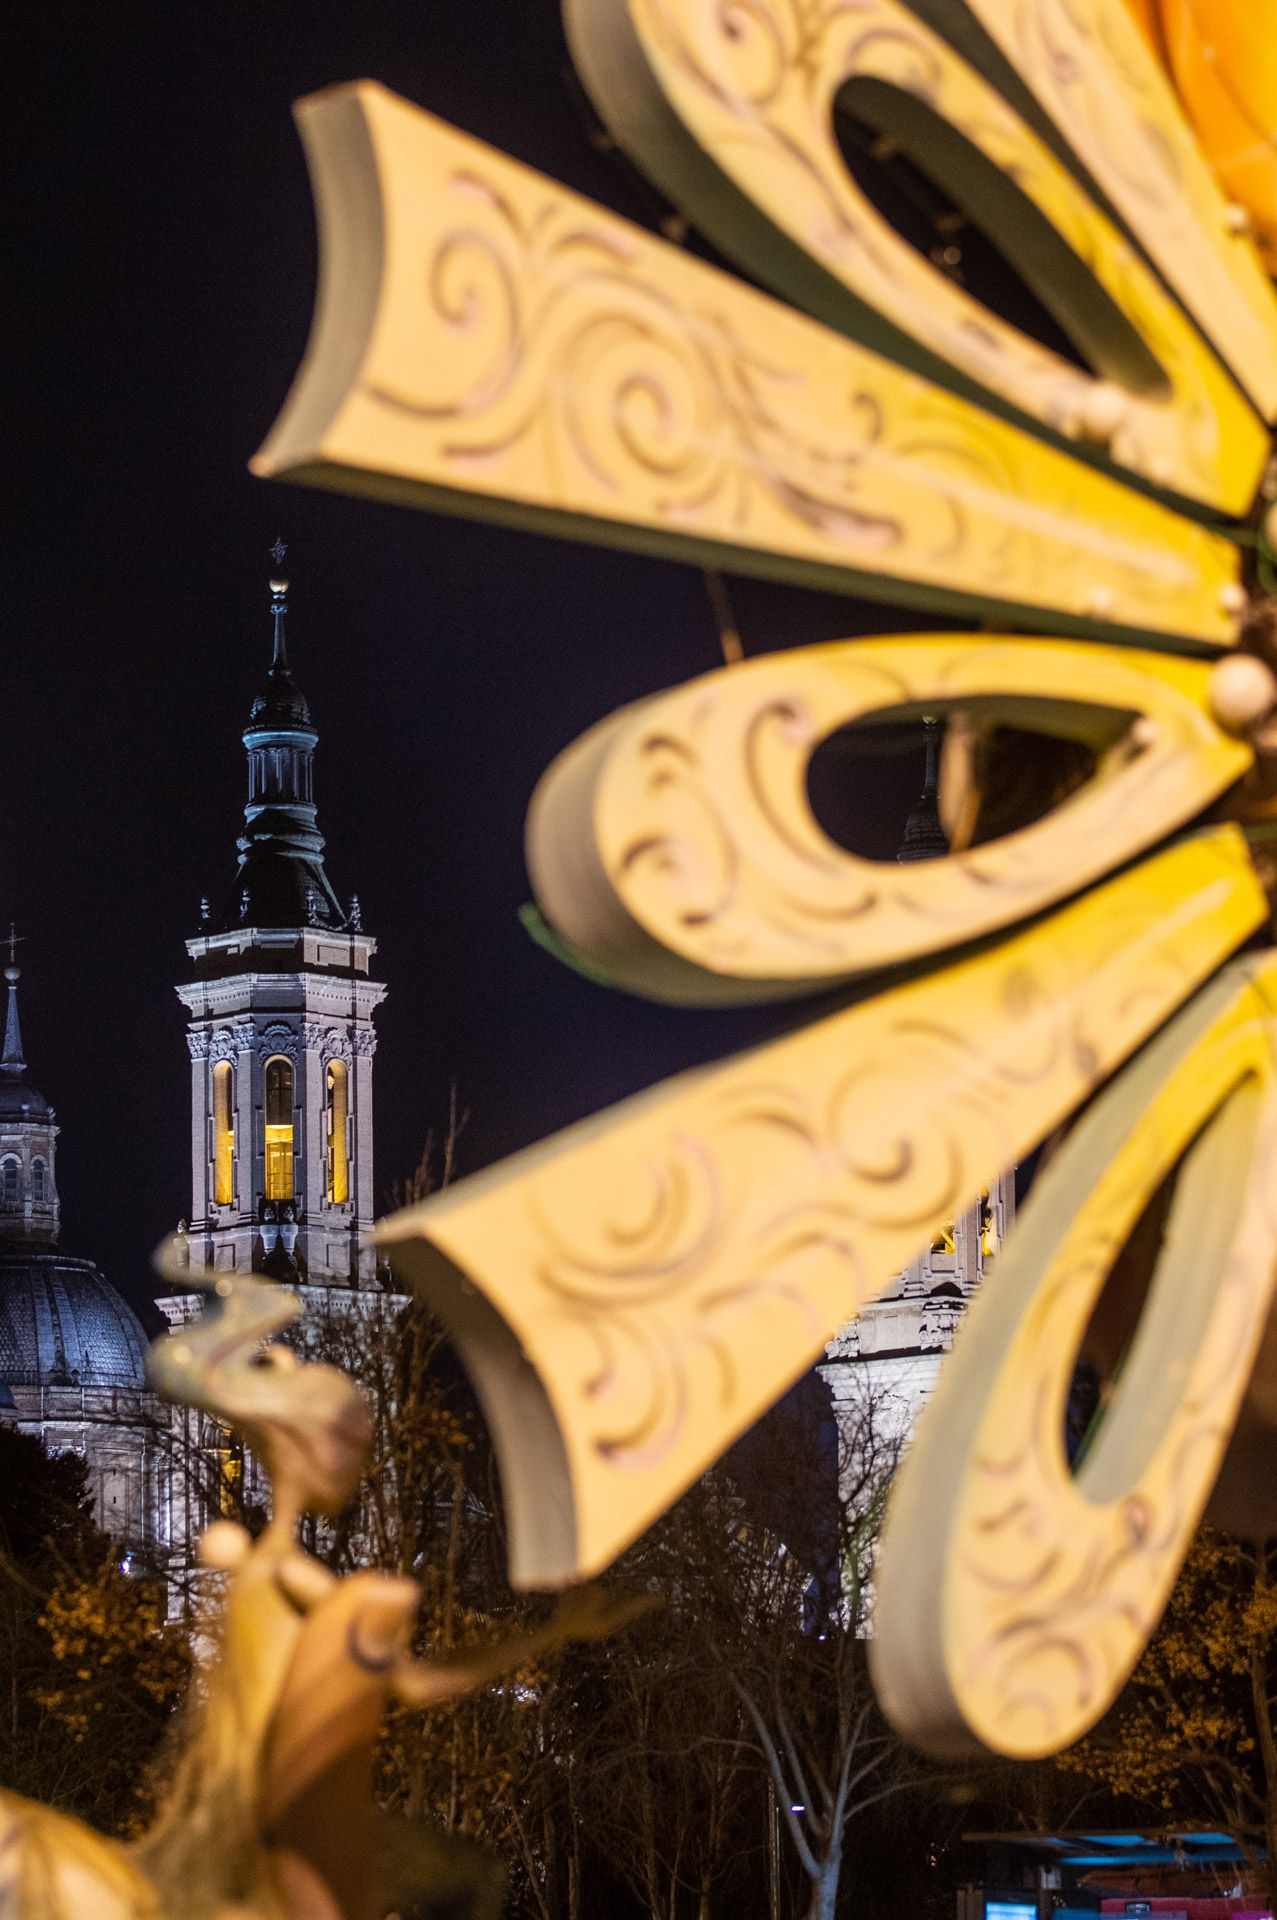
column 270, row 1813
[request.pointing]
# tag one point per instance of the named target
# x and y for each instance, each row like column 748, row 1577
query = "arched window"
column 223, row 1133
column 39, row 1189
column 336, row 1108
column 9, row 1170
column 279, row 1129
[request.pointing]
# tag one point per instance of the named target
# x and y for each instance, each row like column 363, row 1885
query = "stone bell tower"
column 281, row 1036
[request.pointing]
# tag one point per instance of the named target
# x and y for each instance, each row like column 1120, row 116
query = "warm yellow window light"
column 336, row 1108
column 223, row 1133
column 279, row 1129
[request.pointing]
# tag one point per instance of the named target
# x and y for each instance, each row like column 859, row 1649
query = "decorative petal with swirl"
column 488, row 341
column 1014, row 1595
column 684, row 824
column 1086, row 63
column 633, row 1293
column 757, row 162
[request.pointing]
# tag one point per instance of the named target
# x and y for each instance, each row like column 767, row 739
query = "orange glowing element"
column 224, row 1133
column 336, row 1108
column 279, row 1129
column 1223, row 61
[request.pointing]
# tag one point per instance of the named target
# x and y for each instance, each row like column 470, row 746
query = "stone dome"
column 18, row 1101
column 62, row 1324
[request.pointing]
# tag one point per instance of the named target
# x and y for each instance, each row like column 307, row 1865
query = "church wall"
column 893, row 1351
column 118, row 1433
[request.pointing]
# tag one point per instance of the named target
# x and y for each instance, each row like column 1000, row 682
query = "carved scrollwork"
column 278, row 1038
column 1015, row 1593
column 532, row 353
column 330, row 1042
column 670, row 1268
column 224, row 1043
column 937, row 1324
column 675, row 846
column 756, row 88
column 364, row 1042
column 197, row 1042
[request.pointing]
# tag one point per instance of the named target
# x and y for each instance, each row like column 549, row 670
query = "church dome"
column 62, row 1324
column 18, row 1101
column 281, row 703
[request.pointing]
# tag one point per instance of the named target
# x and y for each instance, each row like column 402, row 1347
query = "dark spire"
column 924, row 837
column 17, row 1098
column 279, row 607
column 280, row 881
column 281, row 700
column 12, row 1062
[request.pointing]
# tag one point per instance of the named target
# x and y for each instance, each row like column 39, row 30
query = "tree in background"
column 640, row 1765
column 797, row 1654
column 91, row 1670
column 668, row 1775
column 1193, row 1730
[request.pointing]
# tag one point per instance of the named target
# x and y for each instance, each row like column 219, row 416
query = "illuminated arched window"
column 336, row 1108
column 9, row 1171
column 988, row 1227
column 223, row 1133
column 279, row 1129
column 39, row 1175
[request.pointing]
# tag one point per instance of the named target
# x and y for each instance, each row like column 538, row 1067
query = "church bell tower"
column 280, row 1027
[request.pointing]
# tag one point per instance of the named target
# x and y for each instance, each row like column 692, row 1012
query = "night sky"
column 166, row 261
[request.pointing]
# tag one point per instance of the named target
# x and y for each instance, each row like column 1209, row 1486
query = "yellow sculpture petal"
column 488, row 342
column 1013, row 1598
column 674, row 847
column 1091, row 71
column 633, row 1293
column 753, row 157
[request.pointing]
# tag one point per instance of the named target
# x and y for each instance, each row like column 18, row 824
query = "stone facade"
column 894, row 1349
column 302, row 997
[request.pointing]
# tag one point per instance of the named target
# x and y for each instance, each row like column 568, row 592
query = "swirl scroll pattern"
column 756, row 86
column 531, row 355
column 1088, row 65
column 1014, row 1597
column 667, row 1269
column 696, row 807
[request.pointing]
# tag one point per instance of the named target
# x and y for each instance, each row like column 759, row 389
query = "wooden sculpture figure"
column 633, row 1293
column 270, row 1814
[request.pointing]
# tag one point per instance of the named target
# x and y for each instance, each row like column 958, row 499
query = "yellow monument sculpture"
column 632, row 1293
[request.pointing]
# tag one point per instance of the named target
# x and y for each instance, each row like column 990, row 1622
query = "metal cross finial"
column 15, row 941
column 278, row 551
